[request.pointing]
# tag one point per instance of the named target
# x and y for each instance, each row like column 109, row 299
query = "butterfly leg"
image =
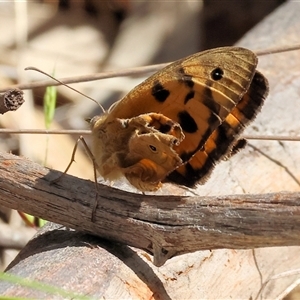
column 91, row 156
column 70, row 163
column 157, row 122
column 166, row 125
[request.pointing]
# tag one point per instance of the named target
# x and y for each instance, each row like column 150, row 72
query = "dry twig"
column 128, row 71
column 11, row 100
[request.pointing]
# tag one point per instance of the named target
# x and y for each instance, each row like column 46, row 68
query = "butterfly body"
column 209, row 97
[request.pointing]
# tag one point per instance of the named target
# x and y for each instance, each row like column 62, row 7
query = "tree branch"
column 126, row 72
column 164, row 226
column 11, row 100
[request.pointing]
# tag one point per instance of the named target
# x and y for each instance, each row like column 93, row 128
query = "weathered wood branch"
column 164, row 226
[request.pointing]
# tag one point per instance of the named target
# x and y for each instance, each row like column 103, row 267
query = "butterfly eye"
column 153, row 148
column 217, row 74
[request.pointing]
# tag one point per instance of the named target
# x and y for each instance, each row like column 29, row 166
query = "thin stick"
column 127, row 72
column 273, row 138
column 45, row 131
column 277, row 50
column 277, row 162
column 88, row 132
column 89, row 77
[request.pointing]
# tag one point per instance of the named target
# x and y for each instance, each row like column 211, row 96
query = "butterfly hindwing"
column 224, row 140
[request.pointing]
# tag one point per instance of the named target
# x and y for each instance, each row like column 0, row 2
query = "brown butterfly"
column 177, row 124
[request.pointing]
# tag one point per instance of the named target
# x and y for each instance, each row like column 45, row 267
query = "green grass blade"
column 49, row 105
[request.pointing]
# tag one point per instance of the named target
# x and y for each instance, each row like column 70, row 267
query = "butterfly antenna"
column 277, row 50
column 57, row 80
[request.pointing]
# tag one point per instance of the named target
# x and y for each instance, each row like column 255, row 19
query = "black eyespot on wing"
column 186, row 122
column 190, row 95
column 217, row 74
column 185, row 78
column 159, row 92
